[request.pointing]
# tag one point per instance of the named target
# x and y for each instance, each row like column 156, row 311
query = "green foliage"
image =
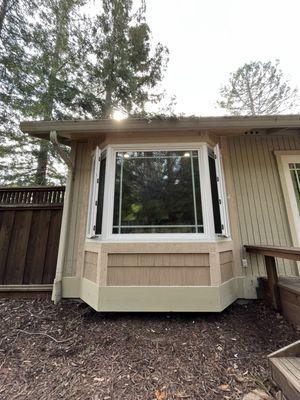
column 258, row 88
column 123, row 71
column 57, row 63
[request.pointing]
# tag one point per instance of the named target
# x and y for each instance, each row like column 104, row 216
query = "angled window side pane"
column 89, row 230
column 295, row 175
column 215, row 193
column 222, row 193
column 100, row 194
column 94, row 187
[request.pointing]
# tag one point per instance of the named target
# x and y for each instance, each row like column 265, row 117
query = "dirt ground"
column 71, row 352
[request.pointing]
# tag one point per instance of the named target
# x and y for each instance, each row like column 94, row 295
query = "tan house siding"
column 254, row 188
column 158, row 269
column 78, row 212
column 226, row 265
column 262, row 217
column 90, row 266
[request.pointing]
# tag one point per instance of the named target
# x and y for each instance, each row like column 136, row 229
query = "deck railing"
column 270, row 253
column 26, row 196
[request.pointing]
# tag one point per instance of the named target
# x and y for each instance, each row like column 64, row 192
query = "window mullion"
column 120, row 198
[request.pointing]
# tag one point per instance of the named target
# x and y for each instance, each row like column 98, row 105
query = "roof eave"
column 68, row 128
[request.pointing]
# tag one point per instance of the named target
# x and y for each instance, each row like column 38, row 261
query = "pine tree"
column 37, row 73
column 258, row 88
column 123, row 70
column 15, row 153
column 53, row 70
column 57, row 64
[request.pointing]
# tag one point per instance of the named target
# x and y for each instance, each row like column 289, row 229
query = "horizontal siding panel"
column 158, row 276
column 158, row 260
column 90, row 265
column 225, row 257
column 226, row 271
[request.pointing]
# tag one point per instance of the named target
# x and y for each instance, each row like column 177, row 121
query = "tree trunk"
column 42, row 161
column 61, row 31
column 108, row 109
column 251, row 101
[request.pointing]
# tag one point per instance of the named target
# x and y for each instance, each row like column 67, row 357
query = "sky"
column 209, row 39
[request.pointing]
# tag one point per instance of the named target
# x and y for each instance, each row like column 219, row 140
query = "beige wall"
column 262, row 217
column 78, row 212
column 256, row 209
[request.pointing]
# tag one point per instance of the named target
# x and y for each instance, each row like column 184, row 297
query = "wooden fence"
column 30, row 220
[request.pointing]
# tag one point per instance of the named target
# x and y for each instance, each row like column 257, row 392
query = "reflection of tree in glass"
column 157, row 189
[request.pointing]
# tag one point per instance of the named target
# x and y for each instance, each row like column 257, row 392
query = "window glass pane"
column 295, row 174
column 157, row 192
column 100, row 195
column 214, row 193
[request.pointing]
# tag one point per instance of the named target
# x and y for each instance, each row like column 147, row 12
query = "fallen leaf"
column 159, row 395
column 224, row 387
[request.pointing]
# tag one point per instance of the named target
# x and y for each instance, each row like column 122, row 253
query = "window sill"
column 161, row 240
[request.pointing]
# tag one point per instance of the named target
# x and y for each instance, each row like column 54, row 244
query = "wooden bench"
column 285, row 368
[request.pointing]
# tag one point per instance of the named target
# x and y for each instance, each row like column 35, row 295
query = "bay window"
column 144, row 192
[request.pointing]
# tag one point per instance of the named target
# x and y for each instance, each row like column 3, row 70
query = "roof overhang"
column 233, row 125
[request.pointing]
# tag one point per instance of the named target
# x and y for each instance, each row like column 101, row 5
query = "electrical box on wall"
column 244, row 263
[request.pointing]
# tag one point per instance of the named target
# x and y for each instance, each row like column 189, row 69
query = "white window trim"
column 283, row 160
column 109, row 188
column 222, row 193
column 93, row 195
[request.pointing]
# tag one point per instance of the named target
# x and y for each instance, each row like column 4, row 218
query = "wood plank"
column 291, row 312
column 272, row 281
column 292, row 253
column 37, row 244
column 5, row 237
column 291, row 284
column 52, row 247
column 158, row 276
column 290, row 297
column 18, row 248
column 232, row 205
column 158, row 260
column 226, row 271
column 292, row 350
column 292, row 366
column 287, row 382
column 90, row 266
column 295, row 361
column 225, row 257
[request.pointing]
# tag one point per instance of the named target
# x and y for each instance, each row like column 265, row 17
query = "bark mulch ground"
column 71, row 352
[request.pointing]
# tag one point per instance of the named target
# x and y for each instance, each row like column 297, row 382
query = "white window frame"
column 284, row 158
column 93, row 195
column 222, row 193
column 109, row 192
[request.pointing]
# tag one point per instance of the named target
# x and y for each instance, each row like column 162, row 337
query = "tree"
column 16, row 161
column 258, row 88
column 39, row 60
column 65, row 65
column 122, row 69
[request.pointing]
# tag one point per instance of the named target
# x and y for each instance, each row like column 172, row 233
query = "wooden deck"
column 284, row 291
column 289, row 294
column 285, row 367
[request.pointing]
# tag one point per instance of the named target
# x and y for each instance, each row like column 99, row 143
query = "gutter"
column 57, row 284
column 74, row 129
